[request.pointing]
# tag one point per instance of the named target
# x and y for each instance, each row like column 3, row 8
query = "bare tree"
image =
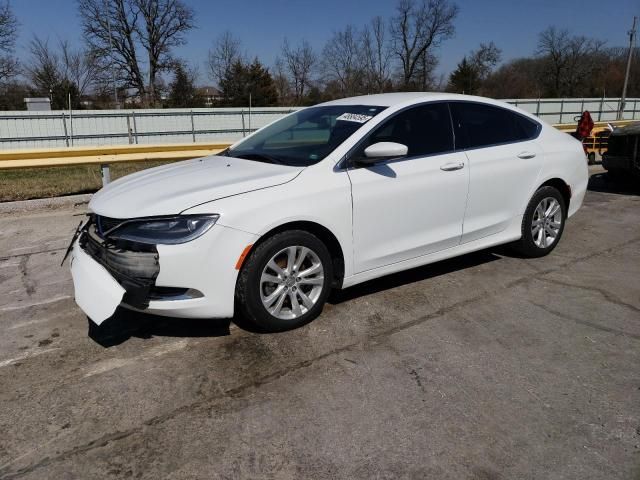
column 485, row 59
column 299, row 63
column 472, row 72
column 343, row 61
column 570, row 59
column 81, row 67
column 377, row 55
column 281, row 83
column 123, row 30
column 518, row 78
column 164, row 23
column 44, row 69
column 226, row 51
column 425, row 67
column 8, row 34
column 109, row 29
column 60, row 70
column 417, row 29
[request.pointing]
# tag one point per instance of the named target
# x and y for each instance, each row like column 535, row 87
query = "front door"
column 411, row 206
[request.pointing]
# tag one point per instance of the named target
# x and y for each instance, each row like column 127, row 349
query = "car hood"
column 171, row 189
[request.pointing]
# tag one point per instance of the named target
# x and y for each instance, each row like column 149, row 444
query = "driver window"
column 425, row 130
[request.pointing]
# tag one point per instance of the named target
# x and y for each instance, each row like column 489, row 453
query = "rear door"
column 504, row 163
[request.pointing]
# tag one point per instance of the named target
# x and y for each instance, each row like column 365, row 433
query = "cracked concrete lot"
column 487, row 366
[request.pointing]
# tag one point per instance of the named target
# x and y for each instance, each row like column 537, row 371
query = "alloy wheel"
column 291, row 282
column 547, row 221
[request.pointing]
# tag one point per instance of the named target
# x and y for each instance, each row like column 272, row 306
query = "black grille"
column 135, row 270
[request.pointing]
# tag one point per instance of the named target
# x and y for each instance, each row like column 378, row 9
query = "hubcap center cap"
column 290, row 281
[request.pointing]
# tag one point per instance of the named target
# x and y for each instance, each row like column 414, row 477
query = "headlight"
column 165, row 230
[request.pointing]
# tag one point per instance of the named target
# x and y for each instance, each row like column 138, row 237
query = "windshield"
column 305, row 137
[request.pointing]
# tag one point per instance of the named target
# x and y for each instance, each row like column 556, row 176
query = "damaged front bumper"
column 97, row 293
column 134, row 266
column 195, row 279
column 106, row 274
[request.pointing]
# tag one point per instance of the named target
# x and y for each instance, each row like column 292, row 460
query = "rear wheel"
column 285, row 281
column 542, row 223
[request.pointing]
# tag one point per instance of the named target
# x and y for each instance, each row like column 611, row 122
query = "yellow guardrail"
column 570, row 127
column 65, row 156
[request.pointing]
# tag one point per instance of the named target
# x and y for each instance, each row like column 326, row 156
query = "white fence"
column 116, row 127
column 564, row 110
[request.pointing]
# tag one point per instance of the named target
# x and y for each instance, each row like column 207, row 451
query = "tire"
column 616, row 174
column 542, row 243
column 591, row 158
column 267, row 293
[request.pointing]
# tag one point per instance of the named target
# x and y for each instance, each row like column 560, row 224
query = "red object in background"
column 585, row 125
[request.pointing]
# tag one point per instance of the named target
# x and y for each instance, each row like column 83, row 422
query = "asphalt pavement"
column 487, row 366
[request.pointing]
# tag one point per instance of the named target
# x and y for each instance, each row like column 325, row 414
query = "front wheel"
column 285, row 281
column 542, row 223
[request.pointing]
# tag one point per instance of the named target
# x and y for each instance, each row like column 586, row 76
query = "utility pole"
column 113, row 65
column 632, row 37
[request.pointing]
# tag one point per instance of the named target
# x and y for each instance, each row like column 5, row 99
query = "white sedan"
column 327, row 197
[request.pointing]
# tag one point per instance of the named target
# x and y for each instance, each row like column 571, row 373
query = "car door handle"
column 449, row 167
column 526, row 155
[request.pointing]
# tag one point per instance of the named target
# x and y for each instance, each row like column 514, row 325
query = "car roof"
column 407, row 98
column 396, row 98
column 402, row 99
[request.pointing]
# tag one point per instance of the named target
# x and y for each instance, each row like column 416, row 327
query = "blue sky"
column 262, row 25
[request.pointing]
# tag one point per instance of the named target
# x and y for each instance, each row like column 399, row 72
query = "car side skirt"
column 512, row 233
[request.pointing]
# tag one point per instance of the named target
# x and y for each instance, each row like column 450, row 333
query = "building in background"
column 210, row 95
column 40, row 104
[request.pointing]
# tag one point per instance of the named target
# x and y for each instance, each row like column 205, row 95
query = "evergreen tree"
column 242, row 80
column 464, row 79
column 182, row 91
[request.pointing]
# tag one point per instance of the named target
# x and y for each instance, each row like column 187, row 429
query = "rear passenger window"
column 425, row 130
column 478, row 125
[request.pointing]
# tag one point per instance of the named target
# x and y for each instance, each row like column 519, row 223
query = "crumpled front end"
column 107, row 273
column 134, row 266
column 195, row 279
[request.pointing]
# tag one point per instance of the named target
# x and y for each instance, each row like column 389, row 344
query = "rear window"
column 479, row 125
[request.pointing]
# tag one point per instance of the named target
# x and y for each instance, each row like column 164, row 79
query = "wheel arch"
column 324, row 234
column 560, row 185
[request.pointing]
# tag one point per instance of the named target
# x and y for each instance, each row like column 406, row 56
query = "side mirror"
column 382, row 151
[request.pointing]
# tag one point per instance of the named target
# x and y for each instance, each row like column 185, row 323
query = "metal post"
column 632, row 36
column 244, row 132
column 561, row 109
column 129, row 130
column 538, row 108
column 601, row 107
column 135, row 126
column 193, row 128
column 64, row 124
column 70, row 120
column 635, row 108
column 582, row 107
column 113, row 65
column 249, row 113
column 106, row 174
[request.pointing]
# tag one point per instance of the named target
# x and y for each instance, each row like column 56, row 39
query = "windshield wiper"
column 259, row 157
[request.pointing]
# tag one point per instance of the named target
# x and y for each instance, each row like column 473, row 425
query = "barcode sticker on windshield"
column 354, row 117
